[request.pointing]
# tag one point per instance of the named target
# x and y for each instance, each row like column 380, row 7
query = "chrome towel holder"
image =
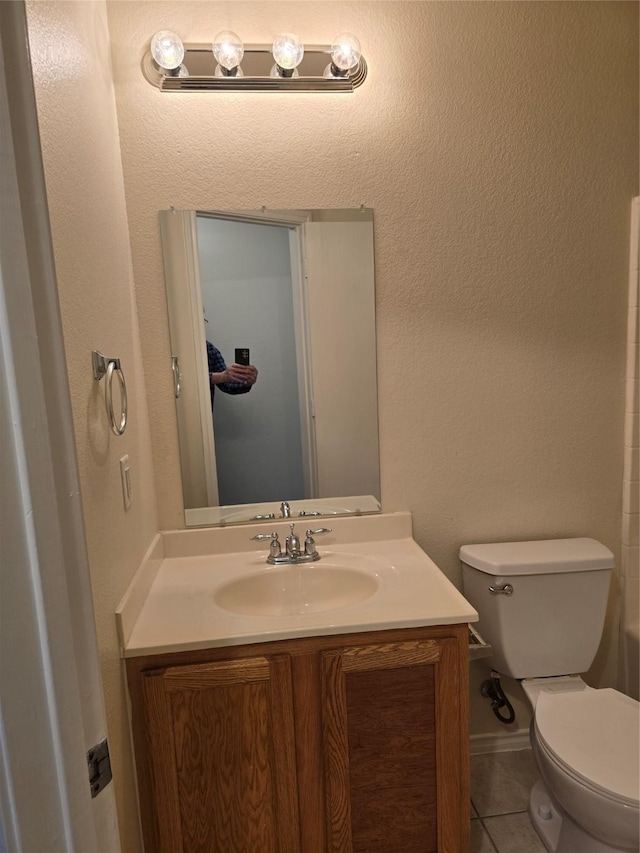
column 103, row 366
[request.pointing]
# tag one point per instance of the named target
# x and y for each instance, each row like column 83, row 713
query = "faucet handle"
column 262, row 536
column 318, row 531
column 275, row 549
column 309, row 542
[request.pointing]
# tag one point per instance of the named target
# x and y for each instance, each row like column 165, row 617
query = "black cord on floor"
column 493, row 690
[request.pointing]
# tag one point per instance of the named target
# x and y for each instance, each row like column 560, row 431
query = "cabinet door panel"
column 392, row 759
column 379, row 706
column 222, row 756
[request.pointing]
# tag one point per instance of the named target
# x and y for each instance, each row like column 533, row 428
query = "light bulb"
column 345, row 51
column 167, row 50
column 287, row 51
column 228, row 51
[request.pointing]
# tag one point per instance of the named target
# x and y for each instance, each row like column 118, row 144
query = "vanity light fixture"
column 174, row 66
column 288, row 52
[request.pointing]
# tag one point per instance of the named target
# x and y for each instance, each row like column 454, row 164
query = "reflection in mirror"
column 295, row 289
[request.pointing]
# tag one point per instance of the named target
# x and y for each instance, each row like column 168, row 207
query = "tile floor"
column 500, row 785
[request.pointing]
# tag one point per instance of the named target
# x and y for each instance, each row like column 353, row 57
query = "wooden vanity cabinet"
column 356, row 742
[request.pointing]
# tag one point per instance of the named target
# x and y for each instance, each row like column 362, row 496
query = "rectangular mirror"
column 295, row 288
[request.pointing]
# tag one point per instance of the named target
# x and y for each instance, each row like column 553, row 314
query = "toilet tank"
column 545, row 613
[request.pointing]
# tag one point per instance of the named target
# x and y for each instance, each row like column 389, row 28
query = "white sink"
column 296, row 589
column 212, row 587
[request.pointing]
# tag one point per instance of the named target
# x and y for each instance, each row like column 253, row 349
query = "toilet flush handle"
column 505, row 589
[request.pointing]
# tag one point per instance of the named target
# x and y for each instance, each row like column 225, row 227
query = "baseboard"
column 499, row 742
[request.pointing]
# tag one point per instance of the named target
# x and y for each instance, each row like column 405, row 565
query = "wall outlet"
column 125, row 476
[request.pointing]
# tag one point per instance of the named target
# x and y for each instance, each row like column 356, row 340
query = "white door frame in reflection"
column 253, row 294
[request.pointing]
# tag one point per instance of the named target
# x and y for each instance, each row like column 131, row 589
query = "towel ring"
column 103, row 366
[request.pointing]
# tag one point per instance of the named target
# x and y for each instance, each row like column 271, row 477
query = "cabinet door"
column 221, row 745
column 392, row 743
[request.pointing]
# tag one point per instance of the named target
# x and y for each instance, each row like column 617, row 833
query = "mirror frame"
column 176, row 269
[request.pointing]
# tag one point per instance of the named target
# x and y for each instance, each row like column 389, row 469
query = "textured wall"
column 76, row 109
column 499, row 152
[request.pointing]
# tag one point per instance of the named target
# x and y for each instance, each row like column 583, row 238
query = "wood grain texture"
column 392, row 759
column 389, row 655
column 336, row 753
column 205, row 676
column 283, row 745
column 224, row 770
column 165, row 833
column 282, row 693
column 379, row 727
column 223, row 750
column 297, row 646
column 309, row 751
column 452, row 725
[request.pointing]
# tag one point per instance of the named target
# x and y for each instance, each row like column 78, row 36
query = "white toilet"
column 542, row 608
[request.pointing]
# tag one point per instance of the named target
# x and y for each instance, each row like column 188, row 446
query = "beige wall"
column 499, row 153
column 76, row 109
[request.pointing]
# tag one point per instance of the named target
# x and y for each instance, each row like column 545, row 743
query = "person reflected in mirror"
column 234, row 379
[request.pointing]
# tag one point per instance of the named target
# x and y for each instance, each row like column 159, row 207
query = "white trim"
column 51, row 704
column 202, row 375
column 186, row 327
column 628, row 632
column 295, row 221
column 287, row 218
column 499, row 742
column 303, row 360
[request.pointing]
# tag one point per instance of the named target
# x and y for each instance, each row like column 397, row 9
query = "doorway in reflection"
column 252, row 296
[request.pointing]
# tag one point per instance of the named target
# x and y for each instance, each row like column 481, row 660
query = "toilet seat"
column 575, row 729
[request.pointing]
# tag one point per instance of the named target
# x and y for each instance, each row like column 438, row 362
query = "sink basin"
column 291, row 590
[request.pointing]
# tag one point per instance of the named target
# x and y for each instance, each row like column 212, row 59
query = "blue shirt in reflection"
column 217, row 365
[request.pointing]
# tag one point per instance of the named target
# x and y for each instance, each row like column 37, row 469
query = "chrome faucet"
column 293, row 552
column 285, row 509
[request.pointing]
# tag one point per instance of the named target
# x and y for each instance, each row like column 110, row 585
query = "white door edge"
column 51, row 702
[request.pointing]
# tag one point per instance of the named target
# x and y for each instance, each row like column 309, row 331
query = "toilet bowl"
column 586, row 744
column 585, row 741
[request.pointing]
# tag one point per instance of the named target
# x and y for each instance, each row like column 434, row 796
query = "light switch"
column 125, row 475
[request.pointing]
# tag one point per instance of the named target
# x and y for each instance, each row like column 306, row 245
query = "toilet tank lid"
column 543, row 556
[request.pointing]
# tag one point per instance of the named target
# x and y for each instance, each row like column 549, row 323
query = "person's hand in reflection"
column 246, row 374
column 234, row 379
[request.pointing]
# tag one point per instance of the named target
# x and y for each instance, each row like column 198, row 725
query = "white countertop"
column 178, row 610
